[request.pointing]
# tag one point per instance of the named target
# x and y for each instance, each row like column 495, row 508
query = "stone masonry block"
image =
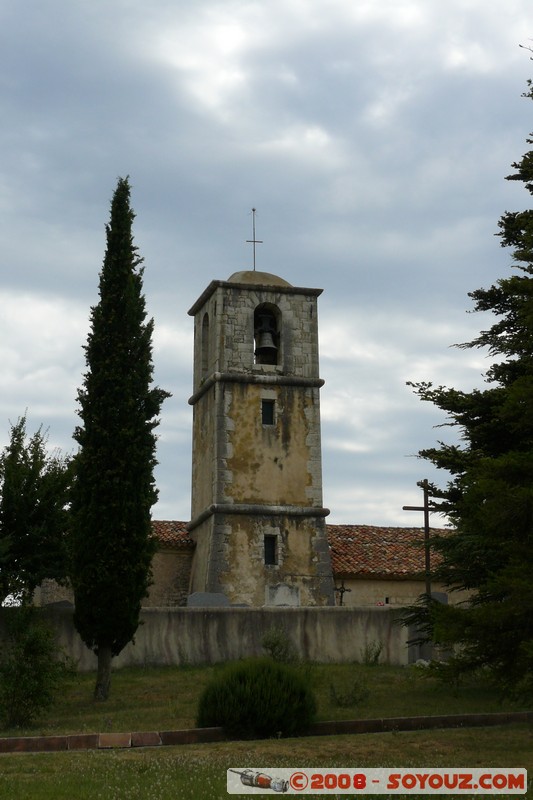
column 146, row 739
column 82, row 741
column 108, row 740
column 33, row 744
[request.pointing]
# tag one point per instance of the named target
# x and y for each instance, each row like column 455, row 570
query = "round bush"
column 257, row 699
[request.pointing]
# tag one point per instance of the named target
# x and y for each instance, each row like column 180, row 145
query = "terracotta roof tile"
column 171, row 533
column 371, row 551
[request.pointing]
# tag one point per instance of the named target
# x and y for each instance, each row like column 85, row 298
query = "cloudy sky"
column 372, row 137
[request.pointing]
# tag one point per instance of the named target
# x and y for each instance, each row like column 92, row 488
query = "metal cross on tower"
column 253, row 240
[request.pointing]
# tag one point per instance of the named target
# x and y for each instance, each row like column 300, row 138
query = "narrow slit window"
column 271, row 550
column 267, row 412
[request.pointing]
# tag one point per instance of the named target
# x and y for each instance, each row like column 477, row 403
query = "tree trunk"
column 103, row 676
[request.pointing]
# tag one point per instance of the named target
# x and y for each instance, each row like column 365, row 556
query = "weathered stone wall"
column 224, row 339
column 277, row 464
column 171, row 573
column 171, row 569
column 303, row 568
column 51, row 592
column 394, row 592
column 209, row 635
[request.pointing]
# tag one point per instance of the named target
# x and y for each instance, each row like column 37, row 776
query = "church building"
column 257, row 535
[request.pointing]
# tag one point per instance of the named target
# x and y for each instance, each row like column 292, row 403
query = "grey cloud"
column 372, row 138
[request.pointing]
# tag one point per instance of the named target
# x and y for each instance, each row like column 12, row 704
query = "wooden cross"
column 425, row 508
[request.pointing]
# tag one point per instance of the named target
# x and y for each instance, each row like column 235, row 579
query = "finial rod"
column 253, row 240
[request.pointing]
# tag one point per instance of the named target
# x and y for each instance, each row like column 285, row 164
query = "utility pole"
column 425, row 508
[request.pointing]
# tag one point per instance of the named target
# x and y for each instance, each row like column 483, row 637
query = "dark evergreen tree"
column 33, row 514
column 114, row 487
column 489, row 498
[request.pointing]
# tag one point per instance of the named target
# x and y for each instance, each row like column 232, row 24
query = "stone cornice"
column 250, row 287
column 266, row 380
column 253, row 509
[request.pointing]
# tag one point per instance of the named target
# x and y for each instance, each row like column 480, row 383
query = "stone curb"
column 106, row 741
column 388, row 724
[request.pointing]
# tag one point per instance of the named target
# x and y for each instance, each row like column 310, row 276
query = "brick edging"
column 104, row 741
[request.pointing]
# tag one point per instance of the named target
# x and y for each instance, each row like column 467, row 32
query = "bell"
column 266, row 347
column 266, row 351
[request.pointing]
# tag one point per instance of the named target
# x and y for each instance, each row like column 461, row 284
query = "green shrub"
column 30, row 670
column 371, row 653
column 349, row 694
column 278, row 645
column 257, row 699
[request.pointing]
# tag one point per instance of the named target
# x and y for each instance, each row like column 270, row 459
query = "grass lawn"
column 166, row 698
column 198, row 772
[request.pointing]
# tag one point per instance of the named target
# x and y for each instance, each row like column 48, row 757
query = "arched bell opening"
column 266, row 334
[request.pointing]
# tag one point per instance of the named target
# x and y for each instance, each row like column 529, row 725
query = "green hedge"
column 257, row 699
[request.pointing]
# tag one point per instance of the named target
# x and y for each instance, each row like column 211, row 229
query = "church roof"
column 365, row 551
column 171, row 533
column 369, row 551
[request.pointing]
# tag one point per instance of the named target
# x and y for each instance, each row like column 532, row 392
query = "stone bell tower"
column 257, row 514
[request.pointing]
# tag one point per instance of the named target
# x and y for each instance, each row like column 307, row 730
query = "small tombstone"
column 282, row 595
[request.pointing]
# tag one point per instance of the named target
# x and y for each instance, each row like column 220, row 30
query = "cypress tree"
column 114, row 488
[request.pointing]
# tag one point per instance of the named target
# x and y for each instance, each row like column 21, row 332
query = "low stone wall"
column 171, row 636
column 107, row 741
